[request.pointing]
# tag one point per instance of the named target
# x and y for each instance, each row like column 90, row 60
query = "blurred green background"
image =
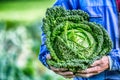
column 20, row 23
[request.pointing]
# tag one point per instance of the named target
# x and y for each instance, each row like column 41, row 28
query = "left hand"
column 96, row 68
column 63, row 72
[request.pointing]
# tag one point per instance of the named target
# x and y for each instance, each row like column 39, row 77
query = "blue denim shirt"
column 105, row 13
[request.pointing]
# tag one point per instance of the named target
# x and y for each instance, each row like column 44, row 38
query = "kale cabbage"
column 74, row 42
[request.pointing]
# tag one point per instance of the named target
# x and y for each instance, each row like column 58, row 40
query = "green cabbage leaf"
column 74, row 42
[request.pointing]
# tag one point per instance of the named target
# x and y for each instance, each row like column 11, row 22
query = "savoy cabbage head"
column 74, row 42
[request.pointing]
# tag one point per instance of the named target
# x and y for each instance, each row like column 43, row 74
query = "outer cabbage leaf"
column 72, row 40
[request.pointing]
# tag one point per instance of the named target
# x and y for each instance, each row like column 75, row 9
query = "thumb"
column 48, row 56
column 96, row 63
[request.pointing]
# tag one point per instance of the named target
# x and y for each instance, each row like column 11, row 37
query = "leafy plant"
column 72, row 40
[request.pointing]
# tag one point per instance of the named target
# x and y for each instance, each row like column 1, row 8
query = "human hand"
column 61, row 71
column 97, row 67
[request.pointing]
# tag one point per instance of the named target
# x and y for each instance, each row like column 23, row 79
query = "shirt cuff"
column 110, row 63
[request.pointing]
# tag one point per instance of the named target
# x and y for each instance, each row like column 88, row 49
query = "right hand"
column 61, row 71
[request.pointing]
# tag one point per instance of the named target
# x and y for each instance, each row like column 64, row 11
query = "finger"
column 58, row 69
column 69, row 76
column 54, row 69
column 66, row 73
column 96, row 63
column 86, row 75
column 95, row 69
column 63, row 69
column 81, row 71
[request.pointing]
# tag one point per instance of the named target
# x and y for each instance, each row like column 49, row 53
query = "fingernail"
column 91, row 65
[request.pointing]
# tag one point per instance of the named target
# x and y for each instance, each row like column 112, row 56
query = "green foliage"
column 73, row 41
column 11, row 43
